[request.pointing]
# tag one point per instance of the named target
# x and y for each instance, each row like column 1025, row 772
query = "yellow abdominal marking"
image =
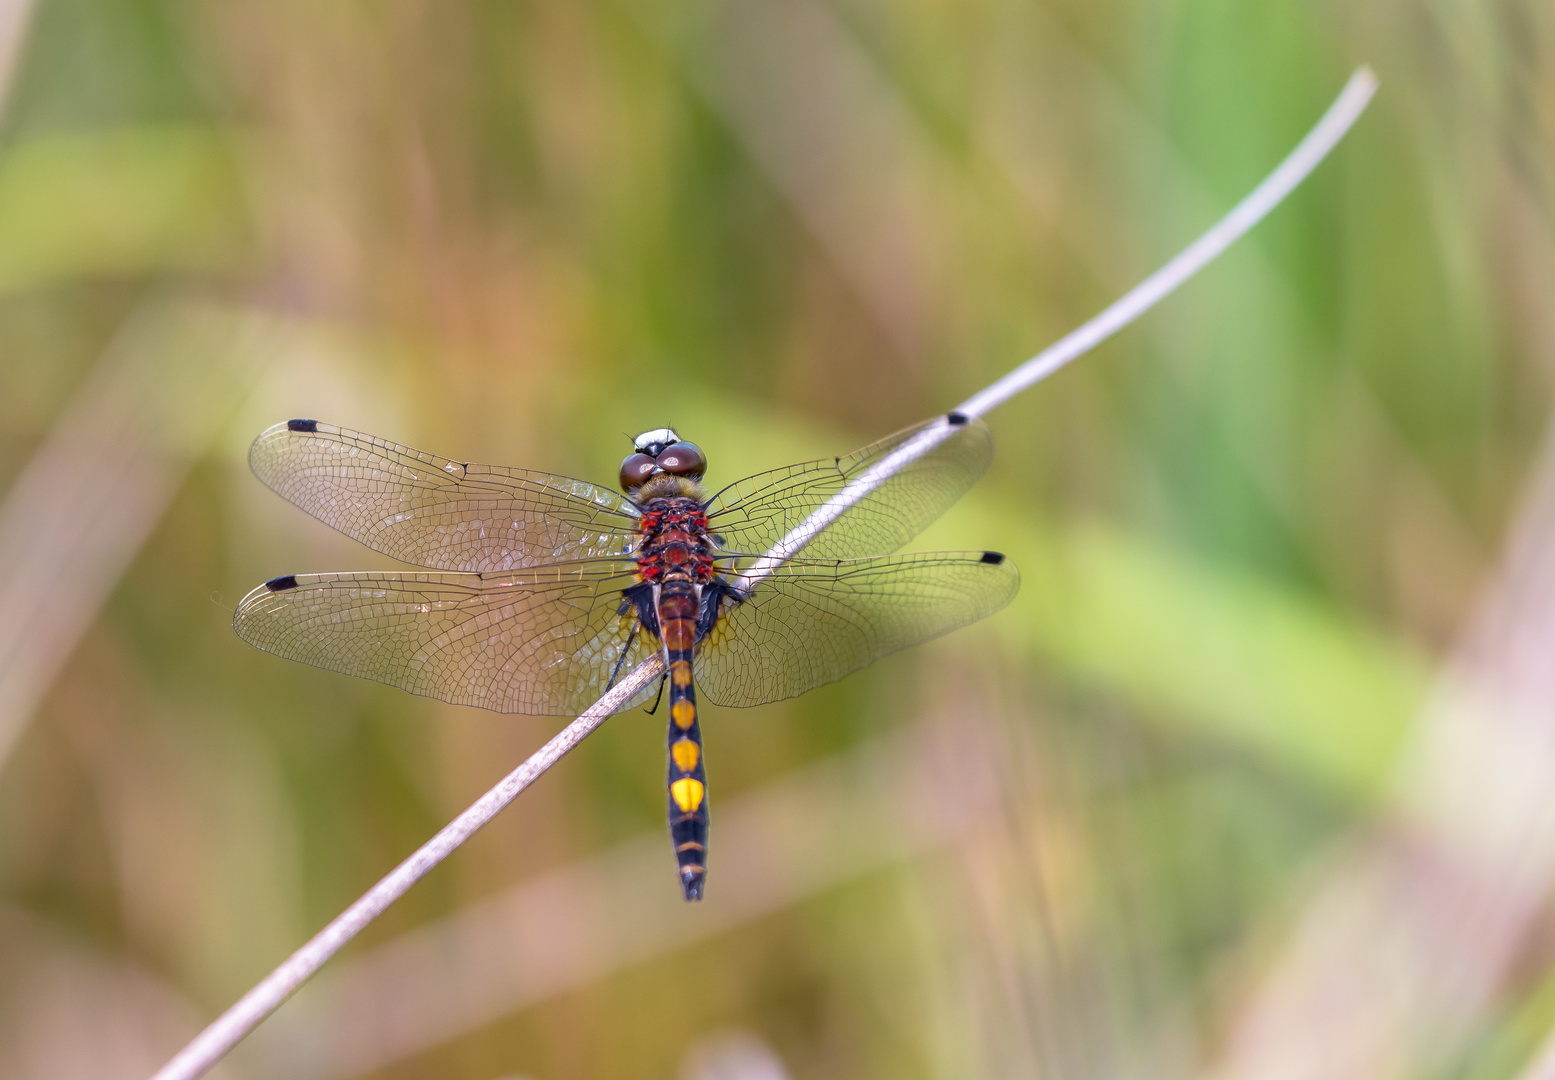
column 685, row 753
column 680, row 673
column 684, row 714
column 687, row 794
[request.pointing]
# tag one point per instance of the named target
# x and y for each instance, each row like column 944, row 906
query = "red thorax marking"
column 675, row 544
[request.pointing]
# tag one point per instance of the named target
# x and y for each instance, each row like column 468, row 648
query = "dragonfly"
column 539, row 591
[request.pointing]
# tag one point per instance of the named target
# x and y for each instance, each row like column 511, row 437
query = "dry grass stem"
column 217, row 1039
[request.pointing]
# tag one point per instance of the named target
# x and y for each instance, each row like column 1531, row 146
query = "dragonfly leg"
column 638, row 598
column 658, row 697
column 626, row 649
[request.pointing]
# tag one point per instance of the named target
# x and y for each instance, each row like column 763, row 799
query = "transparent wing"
column 812, row 622
column 430, row 511
column 543, row 642
column 755, row 513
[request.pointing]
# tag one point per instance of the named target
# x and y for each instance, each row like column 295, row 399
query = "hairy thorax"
column 675, row 543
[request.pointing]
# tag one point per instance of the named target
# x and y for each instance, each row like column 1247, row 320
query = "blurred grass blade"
column 57, row 986
column 15, row 15
column 95, row 489
column 828, row 130
column 1233, row 656
column 1407, row 941
column 119, row 202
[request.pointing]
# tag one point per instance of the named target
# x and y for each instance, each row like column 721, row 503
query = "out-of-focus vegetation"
column 1184, row 808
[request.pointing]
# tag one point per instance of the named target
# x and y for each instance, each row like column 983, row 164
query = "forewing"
column 543, row 642
column 430, row 511
column 753, row 514
column 811, row 622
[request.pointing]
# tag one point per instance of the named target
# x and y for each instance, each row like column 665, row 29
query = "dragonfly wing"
column 812, row 621
column 430, row 511
column 753, row 514
column 543, row 642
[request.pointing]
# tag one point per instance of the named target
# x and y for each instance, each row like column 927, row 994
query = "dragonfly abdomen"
column 687, row 779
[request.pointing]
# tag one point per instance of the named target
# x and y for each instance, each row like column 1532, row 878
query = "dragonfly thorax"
column 675, row 541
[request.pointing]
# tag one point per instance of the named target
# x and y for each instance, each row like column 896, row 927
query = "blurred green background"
column 1255, row 776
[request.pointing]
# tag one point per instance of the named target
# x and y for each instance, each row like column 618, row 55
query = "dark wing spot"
column 280, row 584
column 992, row 558
column 957, row 418
column 302, row 425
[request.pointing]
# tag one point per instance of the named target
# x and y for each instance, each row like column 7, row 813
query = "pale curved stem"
column 221, row 1036
column 1307, row 155
column 1339, row 118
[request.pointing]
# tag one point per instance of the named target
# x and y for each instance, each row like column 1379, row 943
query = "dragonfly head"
column 653, row 442
column 658, row 452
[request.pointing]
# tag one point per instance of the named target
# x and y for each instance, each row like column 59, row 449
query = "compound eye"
column 635, row 469
column 682, row 459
